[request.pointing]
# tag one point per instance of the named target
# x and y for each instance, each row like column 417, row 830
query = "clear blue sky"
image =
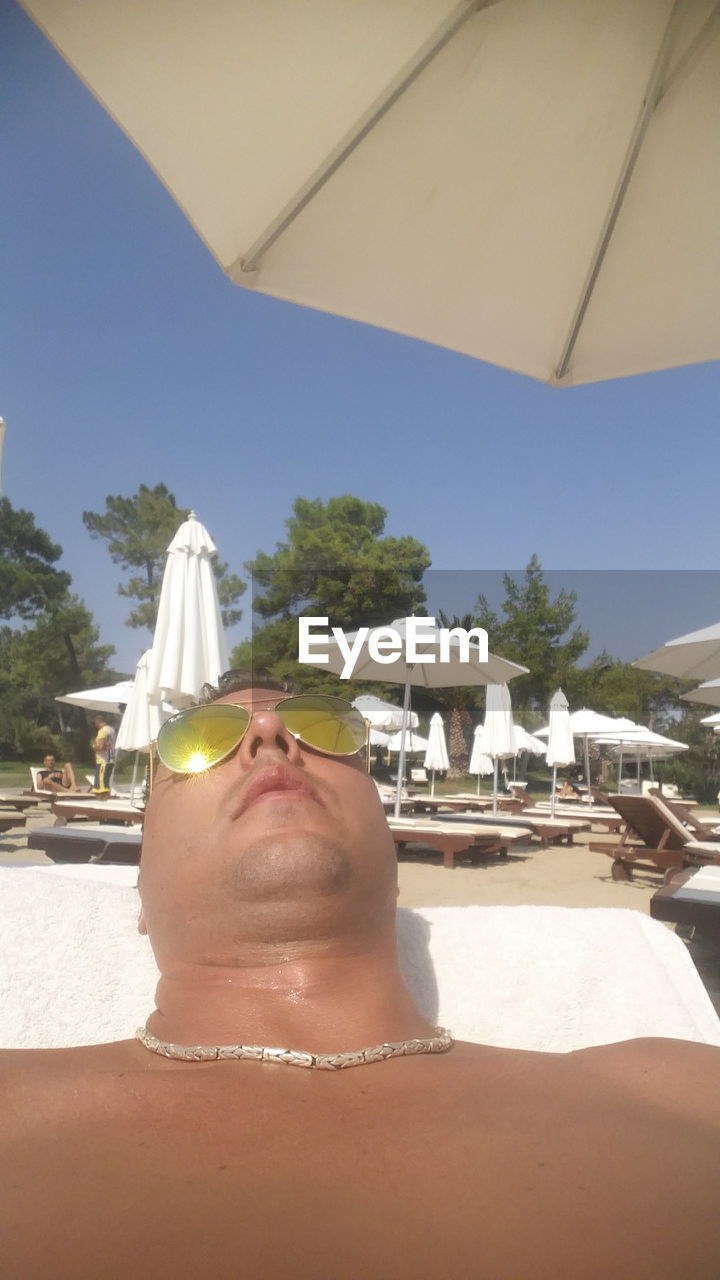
column 126, row 357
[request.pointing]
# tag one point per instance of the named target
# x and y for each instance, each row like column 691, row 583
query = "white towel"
column 74, row 970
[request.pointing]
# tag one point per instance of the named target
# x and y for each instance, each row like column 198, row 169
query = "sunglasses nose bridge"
column 266, row 729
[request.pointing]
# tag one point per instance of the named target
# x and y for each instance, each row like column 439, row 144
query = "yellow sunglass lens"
column 325, row 724
column 201, row 737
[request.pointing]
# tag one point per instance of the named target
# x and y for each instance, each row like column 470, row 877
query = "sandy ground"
column 573, row 876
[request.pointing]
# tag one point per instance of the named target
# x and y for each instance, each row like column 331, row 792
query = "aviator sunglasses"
column 197, row 739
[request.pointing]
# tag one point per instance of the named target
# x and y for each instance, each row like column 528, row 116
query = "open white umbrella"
column 695, row 656
column 436, row 756
column 428, row 672
column 188, row 648
column 561, row 744
column 708, row 694
column 498, row 729
column 534, row 184
column 643, row 743
column 382, row 715
column 480, row 761
column 111, row 697
column 407, row 742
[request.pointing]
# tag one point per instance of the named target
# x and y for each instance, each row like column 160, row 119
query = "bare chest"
column 305, row 1184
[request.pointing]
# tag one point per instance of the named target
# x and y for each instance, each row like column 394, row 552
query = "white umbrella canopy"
column 382, row 715
column 498, row 729
column 695, row 656
column 561, row 744
column 708, row 694
column 714, row 719
column 532, row 210
column 525, row 741
column 436, row 756
column 643, row 744
column 188, row 648
column 407, row 741
column 108, row 698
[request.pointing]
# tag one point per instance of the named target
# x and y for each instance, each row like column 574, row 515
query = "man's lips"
column 274, row 780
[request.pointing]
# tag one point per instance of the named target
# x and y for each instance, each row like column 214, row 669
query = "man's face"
column 275, row 842
column 49, row 762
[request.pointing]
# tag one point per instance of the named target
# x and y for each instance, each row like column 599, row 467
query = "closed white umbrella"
column 188, row 647
column 499, row 737
column 533, row 184
column 436, row 756
column 141, row 719
column 480, row 761
column 561, row 744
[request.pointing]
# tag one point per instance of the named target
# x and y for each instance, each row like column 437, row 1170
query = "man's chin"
column 291, row 866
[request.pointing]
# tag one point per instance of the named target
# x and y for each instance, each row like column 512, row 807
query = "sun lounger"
column 549, row 979
column 10, row 820
column 458, row 804
column 548, row 830
column 601, row 815
column 10, row 801
column 654, row 839
column 112, row 810
column 453, row 840
column 87, row 843
column 697, row 827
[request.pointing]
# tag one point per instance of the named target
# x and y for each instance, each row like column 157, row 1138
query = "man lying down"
column 325, row 1129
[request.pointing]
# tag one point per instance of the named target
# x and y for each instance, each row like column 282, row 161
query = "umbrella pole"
column 134, row 777
column 401, row 761
column 620, row 768
column 495, row 784
column 478, row 784
column 587, row 770
column 554, row 786
column 432, row 783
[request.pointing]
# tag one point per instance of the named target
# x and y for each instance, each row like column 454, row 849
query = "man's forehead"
column 254, row 699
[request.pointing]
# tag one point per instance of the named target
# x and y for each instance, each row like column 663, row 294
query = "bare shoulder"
column 35, row 1080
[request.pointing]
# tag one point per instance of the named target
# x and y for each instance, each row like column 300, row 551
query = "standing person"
column 103, row 744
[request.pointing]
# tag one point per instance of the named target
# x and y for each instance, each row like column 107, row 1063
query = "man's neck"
column 317, row 999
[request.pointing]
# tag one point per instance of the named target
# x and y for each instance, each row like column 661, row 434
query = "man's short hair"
column 244, row 678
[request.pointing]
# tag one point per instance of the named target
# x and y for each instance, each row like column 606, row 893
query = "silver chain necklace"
column 440, row 1042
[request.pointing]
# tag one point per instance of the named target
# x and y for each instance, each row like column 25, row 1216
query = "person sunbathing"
column 53, row 778
column 287, row 1111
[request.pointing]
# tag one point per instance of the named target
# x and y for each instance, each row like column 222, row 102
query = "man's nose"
column 267, row 731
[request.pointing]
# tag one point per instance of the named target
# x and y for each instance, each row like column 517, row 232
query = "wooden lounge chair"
column 10, row 820
column 457, row 804
column 454, row 840
column 79, row 806
column 604, row 817
column 654, row 839
column 87, row 843
column 547, row 829
column 698, row 828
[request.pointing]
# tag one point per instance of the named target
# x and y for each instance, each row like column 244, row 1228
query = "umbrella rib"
column 249, row 262
column 651, row 98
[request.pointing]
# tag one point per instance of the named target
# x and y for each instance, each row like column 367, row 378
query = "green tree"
column 138, row 531
column 539, row 633
column 337, row 563
column 697, row 771
column 29, row 582
column 618, row 689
